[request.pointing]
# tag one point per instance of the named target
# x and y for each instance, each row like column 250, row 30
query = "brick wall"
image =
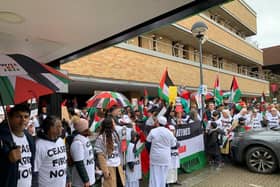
column 118, row 63
column 224, row 38
column 238, row 10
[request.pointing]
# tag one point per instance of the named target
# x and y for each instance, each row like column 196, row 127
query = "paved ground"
column 229, row 176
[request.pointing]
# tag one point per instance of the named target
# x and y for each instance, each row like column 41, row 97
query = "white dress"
column 132, row 177
column 172, row 175
column 160, row 155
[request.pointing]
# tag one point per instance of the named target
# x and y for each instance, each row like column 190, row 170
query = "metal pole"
column 201, row 76
column 6, row 117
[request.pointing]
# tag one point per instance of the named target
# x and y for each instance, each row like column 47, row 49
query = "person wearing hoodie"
column 17, row 149
column 51, row 158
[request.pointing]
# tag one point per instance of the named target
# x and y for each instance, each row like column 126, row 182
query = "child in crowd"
column 172, row 176
column 133, row 168
column 213, row 142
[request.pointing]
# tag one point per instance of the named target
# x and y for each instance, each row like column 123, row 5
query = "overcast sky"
column 268, row 22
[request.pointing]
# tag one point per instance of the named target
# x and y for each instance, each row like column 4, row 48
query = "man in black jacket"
column 17, row 149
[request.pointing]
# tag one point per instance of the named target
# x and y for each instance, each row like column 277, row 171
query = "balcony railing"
column 174, row 50
column 271, row 77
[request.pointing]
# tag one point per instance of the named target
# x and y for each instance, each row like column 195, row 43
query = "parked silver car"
column 259, row 149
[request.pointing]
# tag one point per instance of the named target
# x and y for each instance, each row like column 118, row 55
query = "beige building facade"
column 139, row 62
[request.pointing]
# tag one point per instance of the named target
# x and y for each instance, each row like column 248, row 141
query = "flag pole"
column 6, row 117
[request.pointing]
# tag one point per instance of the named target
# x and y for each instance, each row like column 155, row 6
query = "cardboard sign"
column 64, row 113
column 34, row 113
column 134, row 102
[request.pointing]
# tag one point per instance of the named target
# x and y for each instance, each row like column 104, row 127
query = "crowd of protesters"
column 48, row 151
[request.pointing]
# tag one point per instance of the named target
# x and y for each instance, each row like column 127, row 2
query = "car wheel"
column 261, row 160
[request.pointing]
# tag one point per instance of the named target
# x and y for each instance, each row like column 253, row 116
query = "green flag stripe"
column 218, row 97
column 64, row 80
column 237, row 95
column 185, row 105
column 162, row 95
column 7, row 91
column 114, row 95
column 105, row 102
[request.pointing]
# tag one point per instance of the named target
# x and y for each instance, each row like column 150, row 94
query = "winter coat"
column 112, row 180
column 8, row 170
column 212, row 141
column 100, row 149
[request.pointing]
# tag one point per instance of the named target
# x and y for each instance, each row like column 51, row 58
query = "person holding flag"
column 17, row 150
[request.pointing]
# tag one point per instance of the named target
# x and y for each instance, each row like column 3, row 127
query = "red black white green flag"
column 235, row 91
column 218, row 95
column 164, row 84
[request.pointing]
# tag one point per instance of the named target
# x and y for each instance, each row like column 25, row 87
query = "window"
column 185, row 52
column 220, row 63
column 139, row 41
column 154, row 43
column 217, row 62
column 175, row 49
column 242, row 69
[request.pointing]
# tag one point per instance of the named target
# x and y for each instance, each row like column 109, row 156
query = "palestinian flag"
column 140, row 149
column 96, row 122
column 165, row 82
column 186, row 105
column 226, row 94
column 235, row 91
column 146, row 93
column 217, row 92
column 140, row 145
column 146, row 97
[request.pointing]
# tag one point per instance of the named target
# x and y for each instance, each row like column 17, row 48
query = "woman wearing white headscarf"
column 225, row 120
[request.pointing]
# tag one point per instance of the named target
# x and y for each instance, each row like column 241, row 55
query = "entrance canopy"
column 59, row 31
